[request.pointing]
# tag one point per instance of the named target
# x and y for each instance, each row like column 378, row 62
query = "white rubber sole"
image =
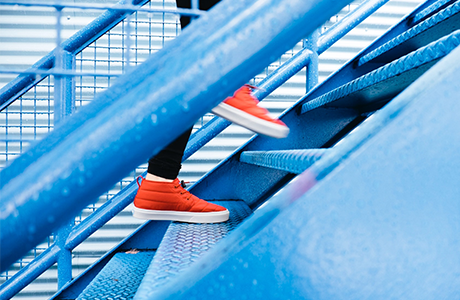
column 181, row 216
column 250, row 122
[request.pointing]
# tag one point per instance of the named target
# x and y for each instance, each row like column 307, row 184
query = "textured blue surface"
column 383, row 225
column 433, row 21
column 430, row 53
column 93, row 141
column 120, row 278
column 293, row 161
column 184, row 244
column 429, row 10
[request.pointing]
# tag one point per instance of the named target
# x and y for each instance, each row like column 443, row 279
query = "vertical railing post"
column 64, row 86
column 311, row 43
column 64, row 261
column 64, row 97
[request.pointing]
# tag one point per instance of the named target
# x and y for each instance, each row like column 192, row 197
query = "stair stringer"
column 381, row 223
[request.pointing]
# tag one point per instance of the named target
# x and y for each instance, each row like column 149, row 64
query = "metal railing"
column 29, row 78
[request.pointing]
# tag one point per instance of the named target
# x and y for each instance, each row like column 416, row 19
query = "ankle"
column 151, row 177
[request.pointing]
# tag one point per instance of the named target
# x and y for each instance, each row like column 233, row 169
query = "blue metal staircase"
column 359, row 202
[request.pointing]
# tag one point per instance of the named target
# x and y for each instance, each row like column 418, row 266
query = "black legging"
column 167, row 162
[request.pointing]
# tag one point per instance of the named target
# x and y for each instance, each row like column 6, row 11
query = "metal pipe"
column 313, row 67
column 350, row 21
column 117, row 7
column 30, row 272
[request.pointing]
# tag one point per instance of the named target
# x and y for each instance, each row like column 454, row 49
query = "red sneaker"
column 170, row 201
column 242, row 109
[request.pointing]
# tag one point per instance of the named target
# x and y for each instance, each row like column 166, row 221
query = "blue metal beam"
column 144, row 111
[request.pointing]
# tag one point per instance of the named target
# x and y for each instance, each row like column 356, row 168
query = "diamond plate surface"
column 120, row 278
column 416, row 59
column 416, row 30
column 184, row 243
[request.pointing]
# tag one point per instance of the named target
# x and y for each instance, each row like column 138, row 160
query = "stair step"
column 185, row 243
column 120, row 278
column 433, row 28
column 293, row 161
column 430, row 10
column 385, row 82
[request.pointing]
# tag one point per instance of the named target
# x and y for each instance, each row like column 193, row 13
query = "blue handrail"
column 198, row 139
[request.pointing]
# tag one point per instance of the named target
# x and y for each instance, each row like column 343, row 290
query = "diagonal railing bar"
column 117, row 7
column 112, row 207
column 78, row 234
column 61, row 181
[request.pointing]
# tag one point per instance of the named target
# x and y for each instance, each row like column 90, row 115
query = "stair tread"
column 293, row 161
column 120, row 278
column 386, row 82
column 429, row 10
column 184, row 243
column 438, row 25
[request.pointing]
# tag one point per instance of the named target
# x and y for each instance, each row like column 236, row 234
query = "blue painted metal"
column 430, row 9
column 120, row 278
column 312, row 68
column 350, row 21
column 183, row 244
column 312, row 130
column 442, row 23
column 293, row 161
column 111, row 208
column 390, row 236
column 387, row 81
column 73, row 45
column 64, row 89
column 288, row 69
column 30, row 272
column 122, row 6
column 255, row 184
column 110, row 134
column 64, row 260
column 63, row 107
column 145, row 238
column 78, row 234
column 298, row 57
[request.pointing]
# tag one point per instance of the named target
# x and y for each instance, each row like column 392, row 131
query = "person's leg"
column 203, row 5
column 167, row 163
column 165, row 166
column 161, row 196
